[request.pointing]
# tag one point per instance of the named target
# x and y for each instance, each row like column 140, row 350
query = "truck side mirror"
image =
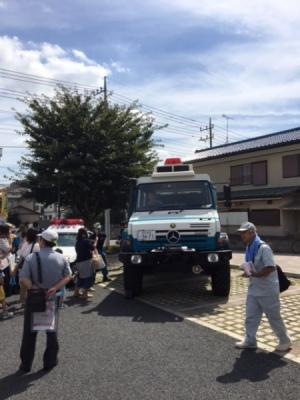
column 227, row 196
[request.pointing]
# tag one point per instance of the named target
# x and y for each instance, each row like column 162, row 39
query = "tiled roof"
column 262, row 193
column 277, row 139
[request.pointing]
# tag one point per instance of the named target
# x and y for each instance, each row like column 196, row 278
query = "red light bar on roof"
column 173, row 161
column 67, row 221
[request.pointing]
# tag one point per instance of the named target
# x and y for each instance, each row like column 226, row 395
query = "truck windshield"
column 66, row 239
column 173, row 196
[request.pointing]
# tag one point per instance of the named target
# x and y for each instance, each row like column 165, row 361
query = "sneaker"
column 87, row 296
column 6, row 315
column 106, row 279
column 245, row 345
column 284, row 346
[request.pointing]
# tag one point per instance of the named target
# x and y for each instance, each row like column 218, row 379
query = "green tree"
column 85, row 149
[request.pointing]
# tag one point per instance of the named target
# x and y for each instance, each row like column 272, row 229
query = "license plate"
column 146, row 235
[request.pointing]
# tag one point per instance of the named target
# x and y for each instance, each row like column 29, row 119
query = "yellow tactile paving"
column 192, row 299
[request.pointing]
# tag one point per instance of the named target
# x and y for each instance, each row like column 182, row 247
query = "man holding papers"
column 263, row 290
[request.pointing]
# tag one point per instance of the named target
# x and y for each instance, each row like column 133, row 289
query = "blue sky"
column 192, row 59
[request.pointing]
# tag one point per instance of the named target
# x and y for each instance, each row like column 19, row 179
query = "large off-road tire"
column 133, row 280
column 220, row 279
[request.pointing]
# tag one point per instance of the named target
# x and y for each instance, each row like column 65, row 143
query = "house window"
column 291, row 166
column 259, row 173
column 265, row 217
column 249, row 174
column 241, row 174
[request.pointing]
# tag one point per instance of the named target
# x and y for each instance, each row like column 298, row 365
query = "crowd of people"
column 29, row 263
column 17, row 244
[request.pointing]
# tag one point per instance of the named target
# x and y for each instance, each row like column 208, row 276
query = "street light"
column 227, row 118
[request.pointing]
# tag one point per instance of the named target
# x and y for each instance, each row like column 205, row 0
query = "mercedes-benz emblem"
column 173, row 237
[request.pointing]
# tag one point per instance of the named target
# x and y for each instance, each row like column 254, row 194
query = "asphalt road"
column 114, row 348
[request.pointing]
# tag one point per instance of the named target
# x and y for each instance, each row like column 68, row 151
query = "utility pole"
column 105, row 89
column 210, row 135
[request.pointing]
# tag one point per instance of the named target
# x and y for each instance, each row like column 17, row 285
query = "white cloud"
column 256, row 16
column 255, row 77
column 118, row 67
column 41, row 60
column 49, row 61
column 82, row 57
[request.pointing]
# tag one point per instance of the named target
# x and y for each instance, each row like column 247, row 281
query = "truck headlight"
column 213, row 258
column 197, row 269
column 136, row 259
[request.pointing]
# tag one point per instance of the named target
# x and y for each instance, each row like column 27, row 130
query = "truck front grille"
column 199, row 225
column 184, row 234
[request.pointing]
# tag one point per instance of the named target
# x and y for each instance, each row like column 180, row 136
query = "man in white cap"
column 55, row 273
column 263, row 290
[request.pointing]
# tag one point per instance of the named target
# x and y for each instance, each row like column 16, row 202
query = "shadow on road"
column 115, row 305
column 252, row 366
column 181, row 291
column 17, row 383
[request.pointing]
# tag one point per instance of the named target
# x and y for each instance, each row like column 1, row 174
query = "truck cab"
column 174, row 222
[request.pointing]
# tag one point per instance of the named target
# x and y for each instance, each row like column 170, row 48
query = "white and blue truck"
column 174, row 224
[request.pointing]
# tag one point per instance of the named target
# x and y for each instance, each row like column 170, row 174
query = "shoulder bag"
column 36, row 298
column 97, row 261
column 284, row 282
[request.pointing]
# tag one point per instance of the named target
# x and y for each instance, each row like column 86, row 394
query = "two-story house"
column 26, row 209
column 264, row 176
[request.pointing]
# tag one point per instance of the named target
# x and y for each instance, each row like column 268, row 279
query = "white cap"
column 247, row 226
column 97, row 225
column 50, row 235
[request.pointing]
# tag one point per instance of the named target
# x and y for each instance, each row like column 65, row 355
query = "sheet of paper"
column 45, row 321
column 247, row 267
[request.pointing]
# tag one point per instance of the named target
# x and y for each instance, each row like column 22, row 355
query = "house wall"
column 25, row 215
column 219, row 171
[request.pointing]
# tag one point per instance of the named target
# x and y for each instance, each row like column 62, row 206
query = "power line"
column 8, row 73
column 174, row 128
column 13, row 147
column 187, row 126
column 165, row 112
column 7, row 111
column 33, row 78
